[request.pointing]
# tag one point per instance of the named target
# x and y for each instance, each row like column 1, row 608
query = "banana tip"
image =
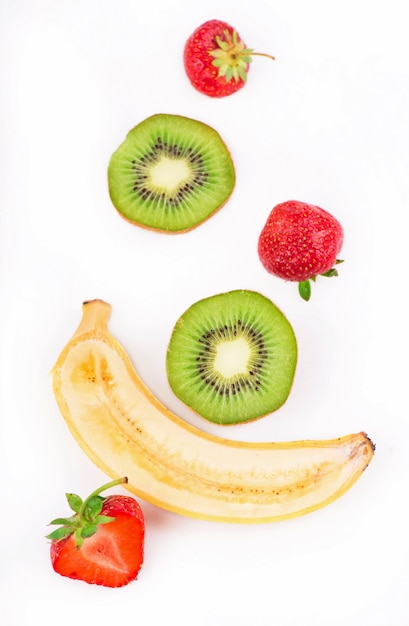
column 370, row 441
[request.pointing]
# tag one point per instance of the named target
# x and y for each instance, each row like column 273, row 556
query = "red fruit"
column 216, row 59
column 300, row 241
column 103, row 542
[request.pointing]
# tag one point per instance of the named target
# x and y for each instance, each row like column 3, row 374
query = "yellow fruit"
column 126, row 431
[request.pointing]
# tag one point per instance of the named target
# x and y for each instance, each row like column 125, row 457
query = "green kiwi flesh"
column 232, row 357
column 170, row 174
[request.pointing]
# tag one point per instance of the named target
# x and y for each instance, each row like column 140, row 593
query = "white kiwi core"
column 232, row 357
column 170, row 174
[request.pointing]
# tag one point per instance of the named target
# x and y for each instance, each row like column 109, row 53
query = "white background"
column 326, row 123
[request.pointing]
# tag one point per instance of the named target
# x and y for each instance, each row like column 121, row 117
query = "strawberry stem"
column 87, row 515
column 262, row 54
column 232, row 58
column 113, row 483
column 304, row 289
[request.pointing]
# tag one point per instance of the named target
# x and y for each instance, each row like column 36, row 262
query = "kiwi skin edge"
column 173, row 232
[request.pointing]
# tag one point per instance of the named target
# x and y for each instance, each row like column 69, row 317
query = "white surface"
column 326, row 123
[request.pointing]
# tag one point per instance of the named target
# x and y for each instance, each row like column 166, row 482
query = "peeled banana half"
column 127, row 431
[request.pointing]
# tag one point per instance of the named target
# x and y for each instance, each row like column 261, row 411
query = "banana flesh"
column 127, row 431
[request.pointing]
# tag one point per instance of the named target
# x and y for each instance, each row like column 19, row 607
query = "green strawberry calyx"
column 87, row 515
column 304, row 287
column 231, row 56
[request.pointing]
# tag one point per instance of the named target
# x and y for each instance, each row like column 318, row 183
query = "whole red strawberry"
column 299, row 242
column 103, row 542
column 216, row 59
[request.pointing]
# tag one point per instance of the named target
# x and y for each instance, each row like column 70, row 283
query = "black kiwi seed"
column 170, row 174
column 232, row 357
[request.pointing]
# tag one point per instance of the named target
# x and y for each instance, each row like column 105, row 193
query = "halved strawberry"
column 216, row 59
column 103, row 542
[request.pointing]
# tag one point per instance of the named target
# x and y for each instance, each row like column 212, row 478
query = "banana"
column 127, row 431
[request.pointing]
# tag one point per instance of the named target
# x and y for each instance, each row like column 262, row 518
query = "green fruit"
column 170, row 174
column 232, row 357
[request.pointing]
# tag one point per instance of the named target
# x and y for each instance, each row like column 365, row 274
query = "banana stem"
column 95, row 315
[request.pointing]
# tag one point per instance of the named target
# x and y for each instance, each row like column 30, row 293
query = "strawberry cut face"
column 104, row 552
column 112, row 555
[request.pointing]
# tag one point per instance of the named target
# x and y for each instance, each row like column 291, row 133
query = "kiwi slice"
column 232, row 357
column 170, row 174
